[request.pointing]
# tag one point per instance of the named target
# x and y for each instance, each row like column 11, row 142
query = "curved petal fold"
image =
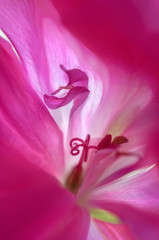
column 54, row 102
column 77, row 85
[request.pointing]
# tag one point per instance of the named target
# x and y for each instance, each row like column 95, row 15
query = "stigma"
column 75, row 178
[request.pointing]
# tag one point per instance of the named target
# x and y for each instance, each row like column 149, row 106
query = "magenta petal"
column 136, row 201
column 74, row 225
column 33, row 205
column 123, row 31
column 26, row 125
column 21, row 22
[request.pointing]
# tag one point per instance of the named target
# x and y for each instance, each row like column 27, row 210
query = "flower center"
column 75, row 178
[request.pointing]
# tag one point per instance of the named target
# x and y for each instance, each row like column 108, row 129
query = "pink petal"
column 21, row 22
column 135, row 200
column 33, row 205
column 125, row 32
column 26, row 124
column 97, row 166
column 115, row 231
column 58, row 52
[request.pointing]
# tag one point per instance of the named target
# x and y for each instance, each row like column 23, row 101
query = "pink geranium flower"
column 71, row 137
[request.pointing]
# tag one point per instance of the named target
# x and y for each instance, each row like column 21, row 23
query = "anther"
column 107, row 142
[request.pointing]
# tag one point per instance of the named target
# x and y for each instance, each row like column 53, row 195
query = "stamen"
column 75, row 178
column 119, row 140
column 105, row 142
